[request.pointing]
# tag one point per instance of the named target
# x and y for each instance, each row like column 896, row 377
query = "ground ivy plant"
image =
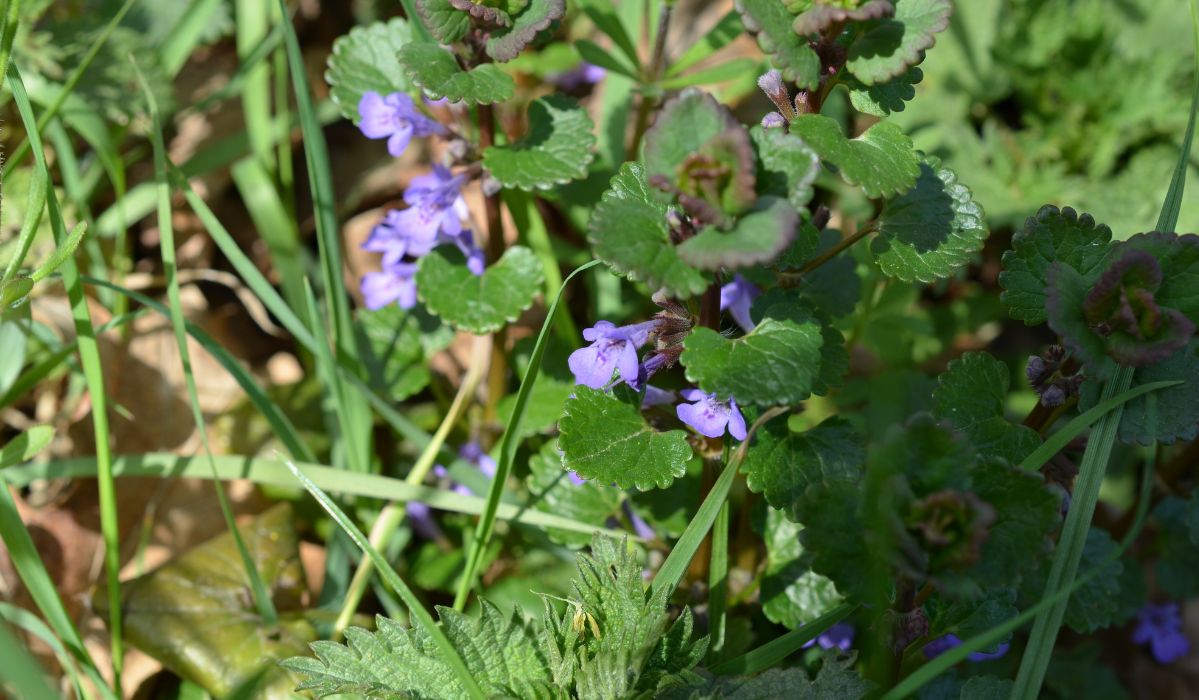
column 758, row 315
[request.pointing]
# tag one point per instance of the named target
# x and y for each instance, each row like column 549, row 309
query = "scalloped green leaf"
column 816, row 16
column 893, row 45
column 435, row 71
column 1064, row 295
column 881, row 161
column 1112, row 597
column 445, row 22
column 364, row 60
column 1051, row 235
column 787, row 166
column 479, row 303
column 792, row 594
column 770, row 23
column 681, row 128
column 757, row 237
column 604, row 437
column 1178, row 256
column 628, row 230
column 777, row 364
column 552, row 490
column 883, row 99
column 782, row 464
column 506, row 44
column 395, row 362
column 558, row 147
column 970, row 394
column 1165, row 415
column 930, row 230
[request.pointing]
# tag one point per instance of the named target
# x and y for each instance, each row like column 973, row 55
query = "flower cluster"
column 435, row 210
column 1160, row 628
column 943, row 644
column 1047, row 377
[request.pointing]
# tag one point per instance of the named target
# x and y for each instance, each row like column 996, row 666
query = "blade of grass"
column 72, row 80
column 262, row 597
column 718, row 584
column 675, row 566
column 393, row 514
column 270, row 472
column 24, row 446
column 275, row 224
column 1167, row 220
column 419, row 615
column 20, row 670
column 609, row 23
column 778, row 649
column 252, row 18
column 728, row 28
column 486, row 524
column 527, row 218
column 186, row 34
column 89, row 355
column 320, row 180
column 8, row 31
column 245, row 66
column 32, row 624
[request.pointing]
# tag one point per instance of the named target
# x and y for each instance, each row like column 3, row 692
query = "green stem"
column 1070, row 545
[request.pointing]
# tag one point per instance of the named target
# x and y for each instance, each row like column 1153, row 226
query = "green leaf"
column 1177, row 568
column 893, row 45
column 883, row 99
column 781, row 464
column 553, row 492
column 1179, row 260
column 1064, row 295
column 1109, row 599
column 987, row 688
column 1027, row 513
column 14, row 291
column 445, row 22
column 604, row 437
column 836, row 680
column 628, row 230
column 557, row 148
column 835, row 287
column 777, row 364
column 499, row 650
column 435, row 70
column 1052, row 235
column 205, row 589
column 770, row 22
column 792, row 594
column 787, row 166
column 506, row 43
column 881, row 161
column 757, row 237
column 819, row 16
column 971, row 393
column 25, row 446
column 931, row 230
column 543, row 408
column 1166, row 415
column 690, row 123
column 396, row 361
column 479, row 303
column 365, row 60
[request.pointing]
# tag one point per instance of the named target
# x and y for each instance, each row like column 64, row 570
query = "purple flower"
column 473, row 453
column 612, row 348
column 710, row 416
column 839, row 636
column 1160, row 627
column 434, row 215
column 736, row 297
column 396, row 283
column 656, row 397
column 422, row 521
column 773, row 120
column 771, row 83
column 394, row 118
column 583, row 74
column 474, row 254
column 640, row 527
column 943, row 644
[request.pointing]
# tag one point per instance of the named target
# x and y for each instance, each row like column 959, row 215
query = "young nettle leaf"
column 776, row 364
column 881, row 161
column 757, row 237
column 604, row 437
column 787, row 166
column 815, row 16
column 479, row 303
column 792, row 594
column 445, row 22
column 437, row 72
column 561, row 492
column 882, row 99
column 557, row 148
column 770, row 22
column 1052, row 235
column 893, row 45
column 931, row 230
column 365, row 61
column 630, row 232
column 971, row 394
column 507, row 43
column 782, row 464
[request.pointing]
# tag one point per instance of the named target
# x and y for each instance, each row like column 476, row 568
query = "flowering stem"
column 392, row 515
column 498, row 375
column 841, row 245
